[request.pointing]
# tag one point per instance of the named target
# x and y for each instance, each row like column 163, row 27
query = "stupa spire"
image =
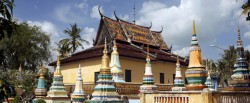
column 57, row 89
column 57, row 72
column 241, row 73
column 196, row 74
column 115, row 65
column 178, row 82
column 78, row 96
column 148, row 78
column 105, row 91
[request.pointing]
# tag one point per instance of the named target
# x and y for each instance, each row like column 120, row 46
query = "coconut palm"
column 71, row 44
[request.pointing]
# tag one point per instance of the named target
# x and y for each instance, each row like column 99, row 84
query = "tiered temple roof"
column 130, row 38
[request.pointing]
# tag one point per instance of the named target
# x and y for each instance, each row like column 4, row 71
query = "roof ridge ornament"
column 117, row 19
column 100, row 11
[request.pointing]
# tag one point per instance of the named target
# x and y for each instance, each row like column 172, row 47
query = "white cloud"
column 212, row 18
column 69, row 14
column 182, row 52
column 46, row 26
column 95, row 12
column 247, row 47
column 83, row 6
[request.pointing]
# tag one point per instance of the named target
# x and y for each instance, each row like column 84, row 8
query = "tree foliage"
column 69, row 45
column 28, row 46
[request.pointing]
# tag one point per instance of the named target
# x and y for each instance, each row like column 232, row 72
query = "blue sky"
column 216, row 20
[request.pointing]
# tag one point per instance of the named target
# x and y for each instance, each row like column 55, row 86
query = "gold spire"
column 206, row 64
column 105, row 58
column 177, row 59
column 194, row 31
column 58, row 57
column 148, row 58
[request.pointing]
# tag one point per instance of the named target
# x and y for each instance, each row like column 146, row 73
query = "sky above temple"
column 216, row 20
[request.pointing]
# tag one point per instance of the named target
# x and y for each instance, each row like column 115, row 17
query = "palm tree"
column 246, row 7
column 71, row 44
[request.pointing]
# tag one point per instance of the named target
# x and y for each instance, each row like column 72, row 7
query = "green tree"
column 28, row 46
column 68, row 45
column 6, row 12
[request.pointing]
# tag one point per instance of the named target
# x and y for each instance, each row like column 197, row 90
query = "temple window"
column 162, row 78
column 127, row 75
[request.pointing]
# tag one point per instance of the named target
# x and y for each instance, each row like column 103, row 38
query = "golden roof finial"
column 194, row 30
column 206, row 64
column 177, row 59
column 58, row 57
column 148, row 58
column 105, row 58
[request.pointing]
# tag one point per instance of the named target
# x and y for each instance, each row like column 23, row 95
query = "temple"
column 57, row 92
column 178, row 81
column 115, row 65
column 78, row 96
column 196, row 74
column 104, row 91
column 241, row 73
column 148, row 78
column 131, row 41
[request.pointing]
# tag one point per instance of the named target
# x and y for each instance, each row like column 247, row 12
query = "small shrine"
column 148, row 78
column 57, row 92
column 241, row 73
column 196, row 74
column 209, row 82
column 78, row 96
column 178, row 82
column 115, row 65
column 40, row 91
column 105, row 91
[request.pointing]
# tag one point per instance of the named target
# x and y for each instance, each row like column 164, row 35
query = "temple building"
column 131, row 41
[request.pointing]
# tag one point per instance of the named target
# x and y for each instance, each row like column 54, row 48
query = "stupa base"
column 57, row 99
column 196, row 87
column 179, row 89
column 148, row 89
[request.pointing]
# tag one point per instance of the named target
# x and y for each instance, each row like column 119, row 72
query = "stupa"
column 57, row 92
column 104, row 91
column 241, row 73
column 40, row 91
column 178, row 82
column 209, row 82
column 196, row 74
column 115, row 65
column 78, row 96
column 148, row 78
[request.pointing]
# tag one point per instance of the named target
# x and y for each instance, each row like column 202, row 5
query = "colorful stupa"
column 178, row 82
column 40, row 91
column 104, row 91
column 209, row 82
column 78, row 96
column 57, row 92
column 241, row 73
column 115, row 65
column 148, row 78
column 196, row 74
